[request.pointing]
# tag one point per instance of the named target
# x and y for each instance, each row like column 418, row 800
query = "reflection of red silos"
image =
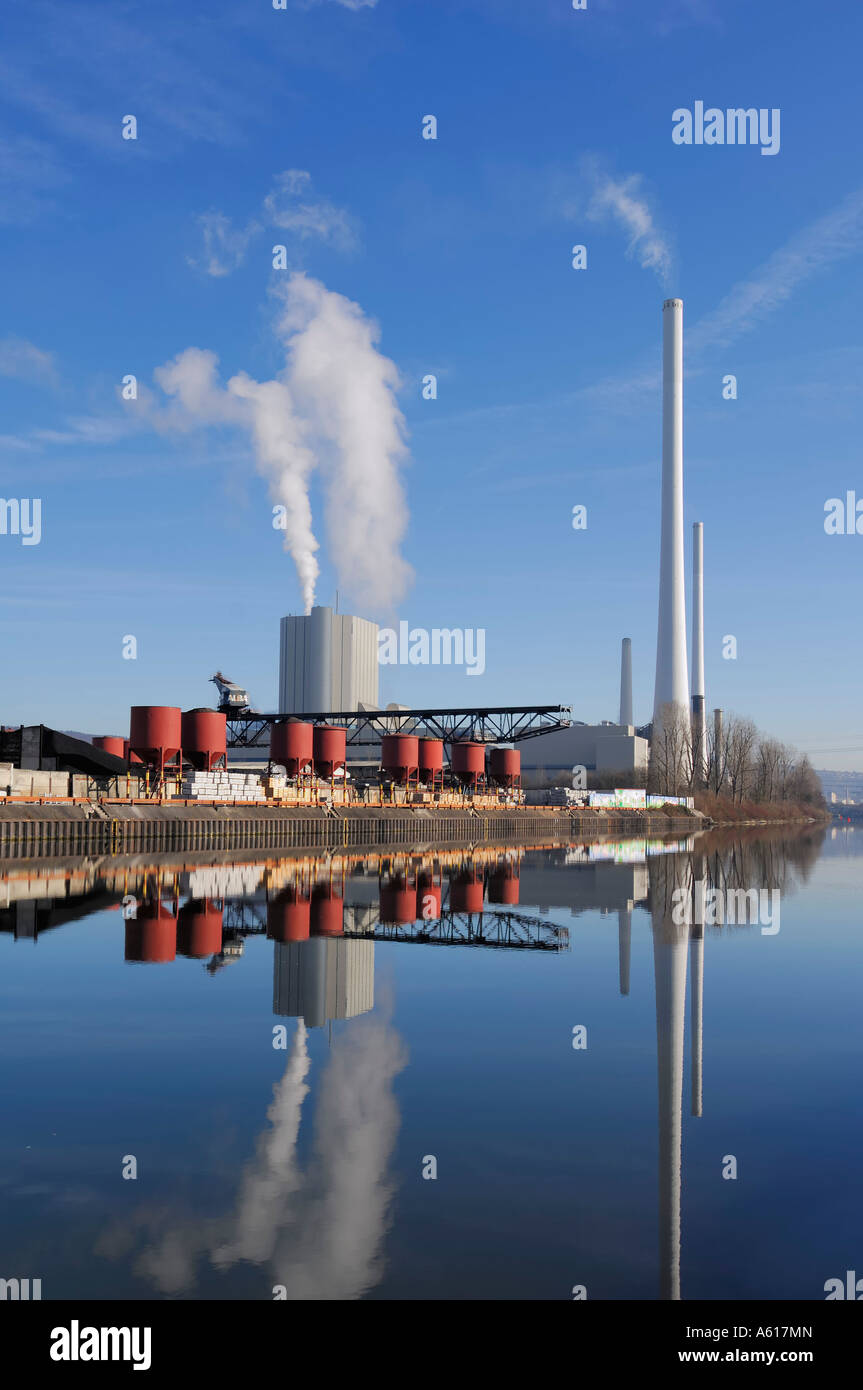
column 328, row 911
column 199, row 930
column 503, row 885
column 151, row 936
column 428, row 902
column 398, row 903
column 289, row 916
column 465, row 893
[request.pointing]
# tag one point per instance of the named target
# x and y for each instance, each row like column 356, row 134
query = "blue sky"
column 303, row 127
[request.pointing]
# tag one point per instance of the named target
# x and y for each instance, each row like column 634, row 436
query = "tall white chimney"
column 672, row 680
column 626, row 681
column 699, row 736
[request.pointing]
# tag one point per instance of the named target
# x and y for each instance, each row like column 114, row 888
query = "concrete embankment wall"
column 31, row 831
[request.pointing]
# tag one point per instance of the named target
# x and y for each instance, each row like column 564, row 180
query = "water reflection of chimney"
column 670, row 946
column 696, row 982
column 624, row 944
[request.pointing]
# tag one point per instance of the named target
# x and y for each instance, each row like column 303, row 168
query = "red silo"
column 155, row 735
column 504, row 766
column 111, row 744
column 465, row 892
column 292, row 746
column 503, row 885
column 329, row 749
column 431, row 761
column 398, row 903
column 467, row 761
column 400, row 756
column 199, row 929
column 151, row 936
column 203, row 735
column 328, row 911
column 289, row 916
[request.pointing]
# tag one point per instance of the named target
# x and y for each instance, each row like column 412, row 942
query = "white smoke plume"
column 332, row 408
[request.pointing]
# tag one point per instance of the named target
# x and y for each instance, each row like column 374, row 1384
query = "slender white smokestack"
column 699, row 741
column 672, row 681
column 626, row 681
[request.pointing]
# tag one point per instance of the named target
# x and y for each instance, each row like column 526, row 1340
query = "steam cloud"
column 331, row 408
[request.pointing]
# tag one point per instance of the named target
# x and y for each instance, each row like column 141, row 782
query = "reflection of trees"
column 769, row 858
column 317, row 1229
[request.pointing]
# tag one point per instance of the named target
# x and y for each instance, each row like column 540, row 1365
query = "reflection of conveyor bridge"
column 499, row 930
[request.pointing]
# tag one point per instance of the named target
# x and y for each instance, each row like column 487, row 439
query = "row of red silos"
column 301, row 748
column 468, row 763
column 163, row 736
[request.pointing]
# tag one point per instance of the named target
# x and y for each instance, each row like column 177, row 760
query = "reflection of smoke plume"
column 333, row 404
column 335, row 1250
column 274, row 1175
column 320, row 1231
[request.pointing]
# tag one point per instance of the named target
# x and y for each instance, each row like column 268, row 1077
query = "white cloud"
column 623, row 200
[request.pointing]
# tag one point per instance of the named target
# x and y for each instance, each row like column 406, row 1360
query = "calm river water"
column 506, row 1074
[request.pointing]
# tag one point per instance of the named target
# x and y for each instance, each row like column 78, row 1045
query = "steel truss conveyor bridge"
column 501, row 724
column 502, row 929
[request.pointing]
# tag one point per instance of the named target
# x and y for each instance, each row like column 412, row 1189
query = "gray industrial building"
column 327, row 662
column 596, row 747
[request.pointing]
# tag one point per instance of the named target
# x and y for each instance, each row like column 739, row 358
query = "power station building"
column 327, row 662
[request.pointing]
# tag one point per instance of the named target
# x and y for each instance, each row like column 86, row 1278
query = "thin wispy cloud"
column 833, row 237
column 224, row 245
column 25, row 362
column 624, row 201
column 292, row 206
column 30, row 173
column 291, row 209
column 679, row 14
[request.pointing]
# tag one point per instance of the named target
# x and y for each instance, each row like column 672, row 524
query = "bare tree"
column 671, row 769
column 741, row 737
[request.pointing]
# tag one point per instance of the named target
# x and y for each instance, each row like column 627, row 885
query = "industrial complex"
column 330, row 743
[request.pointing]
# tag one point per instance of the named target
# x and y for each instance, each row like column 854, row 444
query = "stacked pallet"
column 221, row 785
